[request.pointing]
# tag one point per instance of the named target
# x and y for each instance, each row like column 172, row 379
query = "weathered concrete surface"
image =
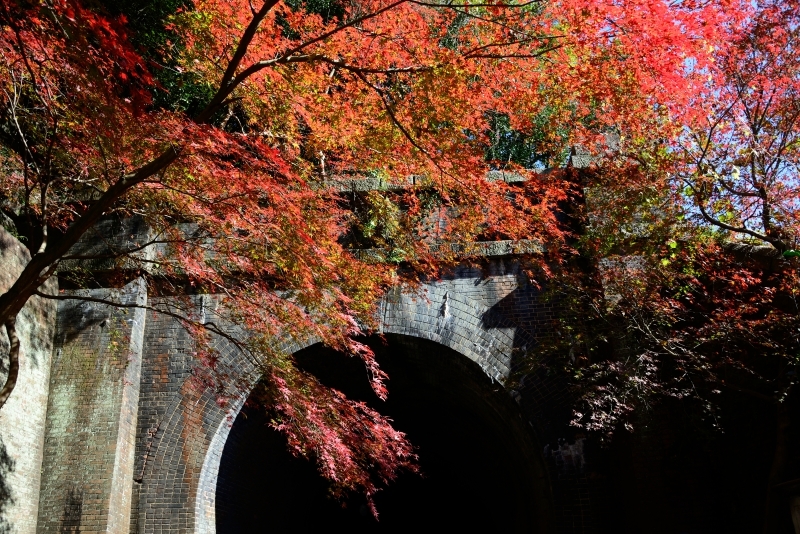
column 22, row 418
column 91, row 415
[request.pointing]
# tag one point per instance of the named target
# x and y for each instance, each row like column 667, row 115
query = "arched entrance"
column 183, row 431
column 482, row 467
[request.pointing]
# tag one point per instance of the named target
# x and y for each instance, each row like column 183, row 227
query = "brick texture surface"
column 91, row 415
column 22, row 418
column 133, row 443
column 486, row 315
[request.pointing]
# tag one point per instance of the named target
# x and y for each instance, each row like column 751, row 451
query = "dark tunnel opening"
column 482, row 468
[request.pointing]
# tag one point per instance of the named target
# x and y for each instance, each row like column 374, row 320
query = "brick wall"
column 486, row 315
column 134, row 444
column 22, row 418
column 179, row 424
column 91, row 415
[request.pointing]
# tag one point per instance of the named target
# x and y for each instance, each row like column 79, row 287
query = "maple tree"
column 240, row 117
column 689, row 282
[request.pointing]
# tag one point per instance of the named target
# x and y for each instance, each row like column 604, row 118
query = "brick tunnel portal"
column 482, row 467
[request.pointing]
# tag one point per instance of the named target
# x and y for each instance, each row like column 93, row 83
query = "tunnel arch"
column 182, row 456
column 482, row 466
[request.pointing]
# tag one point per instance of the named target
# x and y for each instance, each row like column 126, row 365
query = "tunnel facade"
column 165, row 455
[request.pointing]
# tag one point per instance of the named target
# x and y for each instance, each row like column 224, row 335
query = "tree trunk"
column 13, row 361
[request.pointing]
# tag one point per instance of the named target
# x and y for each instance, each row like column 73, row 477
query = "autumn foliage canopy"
column 229, row 134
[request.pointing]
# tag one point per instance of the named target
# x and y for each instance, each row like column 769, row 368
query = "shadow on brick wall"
column 542, row 392
column 6, row 499
column 73, row 511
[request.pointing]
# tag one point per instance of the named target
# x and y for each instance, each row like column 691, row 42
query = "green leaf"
column 791, row 254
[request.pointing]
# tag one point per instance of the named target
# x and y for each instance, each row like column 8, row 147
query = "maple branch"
column 13, row 360
column 513, row 42
column 746, row 391
column 777, row 243
column 349, row 24
column 43, row 263
column 125, row 252
column 228, row 82
column 490, row 21
column 367, row 70
column 204, row 200
column 244, row 42
column 731, row 189
column 388, row 107
column 43, row 203
column 504, row 56
column 308, row 58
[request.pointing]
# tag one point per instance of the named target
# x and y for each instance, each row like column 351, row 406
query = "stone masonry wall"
column 490, row 315
column 133, row 444
column 22, row 418
column 91, row 416
column 178, row 421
